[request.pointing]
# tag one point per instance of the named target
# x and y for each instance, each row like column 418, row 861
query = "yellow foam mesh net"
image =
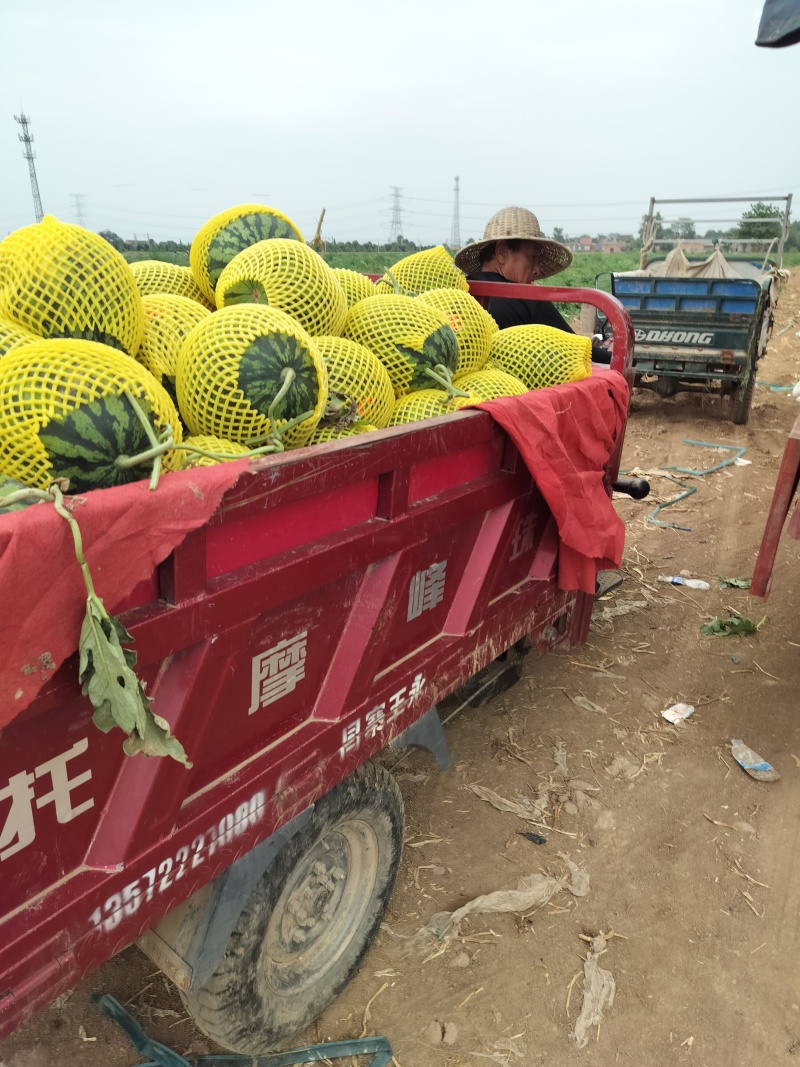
column 59, row 280
column 290, row 276
column 230, row 232
column 473, row 326
column 427, row 404
column 153, row 278
column 356, row 372
column 408, row 337
column 231, row 368
column 356, row 286
column 488, row 384
column 12, row 336
column 218, row 445
column 432, row 269
column 167, row 321
column 63, row 414
column 329, row 433
column 541, row 355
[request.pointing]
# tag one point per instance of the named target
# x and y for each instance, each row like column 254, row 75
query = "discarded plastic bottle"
column 675, row 579
column 750, row 761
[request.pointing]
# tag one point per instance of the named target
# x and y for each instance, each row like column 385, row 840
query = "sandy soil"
column 694, row 868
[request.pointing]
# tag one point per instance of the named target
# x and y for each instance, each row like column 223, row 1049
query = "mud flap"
column 427, row 732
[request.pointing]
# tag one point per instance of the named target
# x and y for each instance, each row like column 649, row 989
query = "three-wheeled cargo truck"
column 703, row 325
column 293, row 616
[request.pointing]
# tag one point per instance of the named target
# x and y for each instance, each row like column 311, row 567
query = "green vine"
column 270, row 442
column 443, row 377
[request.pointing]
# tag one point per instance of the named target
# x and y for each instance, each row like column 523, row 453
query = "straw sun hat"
column 516, row 223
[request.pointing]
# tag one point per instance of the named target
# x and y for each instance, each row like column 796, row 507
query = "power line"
column 27, row 139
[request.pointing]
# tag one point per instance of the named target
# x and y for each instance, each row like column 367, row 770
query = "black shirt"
column 507, row 312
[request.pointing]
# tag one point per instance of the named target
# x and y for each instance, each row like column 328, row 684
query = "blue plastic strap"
column 377, row 1047
column 738, row 449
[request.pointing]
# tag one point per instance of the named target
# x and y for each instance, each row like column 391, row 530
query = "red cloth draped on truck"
column 565, row 435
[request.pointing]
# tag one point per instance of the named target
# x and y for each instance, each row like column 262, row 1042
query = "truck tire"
column 310, row 919
column 743, row 399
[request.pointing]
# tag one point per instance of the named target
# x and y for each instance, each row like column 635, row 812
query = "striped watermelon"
column 9, row 486
column 408, row 337
column 286, row 275
column 230, row 232
column 63, row 414
column 168, row 319
column 353, row 371
column 231, row 368
column 356, row 286
column 60, row 280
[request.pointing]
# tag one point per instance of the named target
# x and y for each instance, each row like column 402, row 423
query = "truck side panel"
column 330, row 602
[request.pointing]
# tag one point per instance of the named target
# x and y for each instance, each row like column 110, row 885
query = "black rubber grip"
column 638, row 488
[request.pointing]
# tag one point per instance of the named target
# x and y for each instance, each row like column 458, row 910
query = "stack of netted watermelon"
column 257, row 345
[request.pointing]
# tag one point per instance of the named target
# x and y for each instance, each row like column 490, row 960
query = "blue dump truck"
column 702, row 325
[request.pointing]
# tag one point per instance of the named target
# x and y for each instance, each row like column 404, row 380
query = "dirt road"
column 693, row 867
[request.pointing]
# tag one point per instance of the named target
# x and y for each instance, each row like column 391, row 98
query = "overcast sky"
column 159, row 115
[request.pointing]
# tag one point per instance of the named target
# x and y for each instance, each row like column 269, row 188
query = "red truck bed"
column 334, row 596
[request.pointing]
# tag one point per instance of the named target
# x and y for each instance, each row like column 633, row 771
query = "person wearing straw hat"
column 514, row 249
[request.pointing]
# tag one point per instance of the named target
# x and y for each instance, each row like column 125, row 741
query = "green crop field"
column 586, row 267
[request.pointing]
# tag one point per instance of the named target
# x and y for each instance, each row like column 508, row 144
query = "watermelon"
column 12, row 336
column 408, row 337
column 168, row 319
column 353, row 371
column 154, row 278
column 542, row 355
column 473, row 326
column 433, row 268
column 9, row 486
column 489, row 384
column 63, row 414
column 59, row 280
column 330, row 433
column 356, row 286
column 427, row 404
column 230, row 232
column 217, row 445
column 290, row 276
column 232, row 366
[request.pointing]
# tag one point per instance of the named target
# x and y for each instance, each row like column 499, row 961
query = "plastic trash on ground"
column 750, row 761
column 691, row 583
column 677, row 713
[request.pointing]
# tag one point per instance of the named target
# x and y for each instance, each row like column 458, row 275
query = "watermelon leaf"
column 107, row 678
column 105, row 668
column 157, row 740
column 105, row 672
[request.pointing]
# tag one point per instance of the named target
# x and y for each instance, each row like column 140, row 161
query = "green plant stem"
column 58, row 503
column 154, row 453
column 22, row 495
column 444, row 377
column 143, row 419
column 272, row 442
